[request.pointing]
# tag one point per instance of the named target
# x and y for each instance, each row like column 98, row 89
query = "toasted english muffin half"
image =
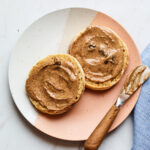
column 55, row 84
column 102, row 55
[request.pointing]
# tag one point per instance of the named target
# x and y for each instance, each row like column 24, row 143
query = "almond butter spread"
column 54, row 84
column 100, row 54
column 139, row 75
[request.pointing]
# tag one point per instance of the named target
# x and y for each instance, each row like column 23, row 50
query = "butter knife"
column 138, row 76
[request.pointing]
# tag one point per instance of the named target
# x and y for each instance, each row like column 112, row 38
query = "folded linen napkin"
column 141, row 140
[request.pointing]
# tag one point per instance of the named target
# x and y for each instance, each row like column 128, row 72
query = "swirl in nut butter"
column 54, row 84
column 100, row 54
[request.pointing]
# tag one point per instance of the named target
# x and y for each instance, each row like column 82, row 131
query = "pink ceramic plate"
column 52, row 34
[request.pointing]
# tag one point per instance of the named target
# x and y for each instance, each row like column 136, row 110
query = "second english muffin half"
column 102, row 55
column 55, row 83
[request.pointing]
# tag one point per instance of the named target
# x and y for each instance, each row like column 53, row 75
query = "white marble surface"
column 15, row 16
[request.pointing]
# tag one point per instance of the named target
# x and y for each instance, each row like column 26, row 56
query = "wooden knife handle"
column 97, row 136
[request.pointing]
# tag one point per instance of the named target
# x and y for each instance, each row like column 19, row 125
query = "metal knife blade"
column 139, row 75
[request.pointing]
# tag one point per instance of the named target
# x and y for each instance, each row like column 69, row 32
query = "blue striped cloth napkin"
column 141, row 112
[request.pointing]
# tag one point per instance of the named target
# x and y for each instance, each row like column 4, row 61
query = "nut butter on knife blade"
column 139, row 75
